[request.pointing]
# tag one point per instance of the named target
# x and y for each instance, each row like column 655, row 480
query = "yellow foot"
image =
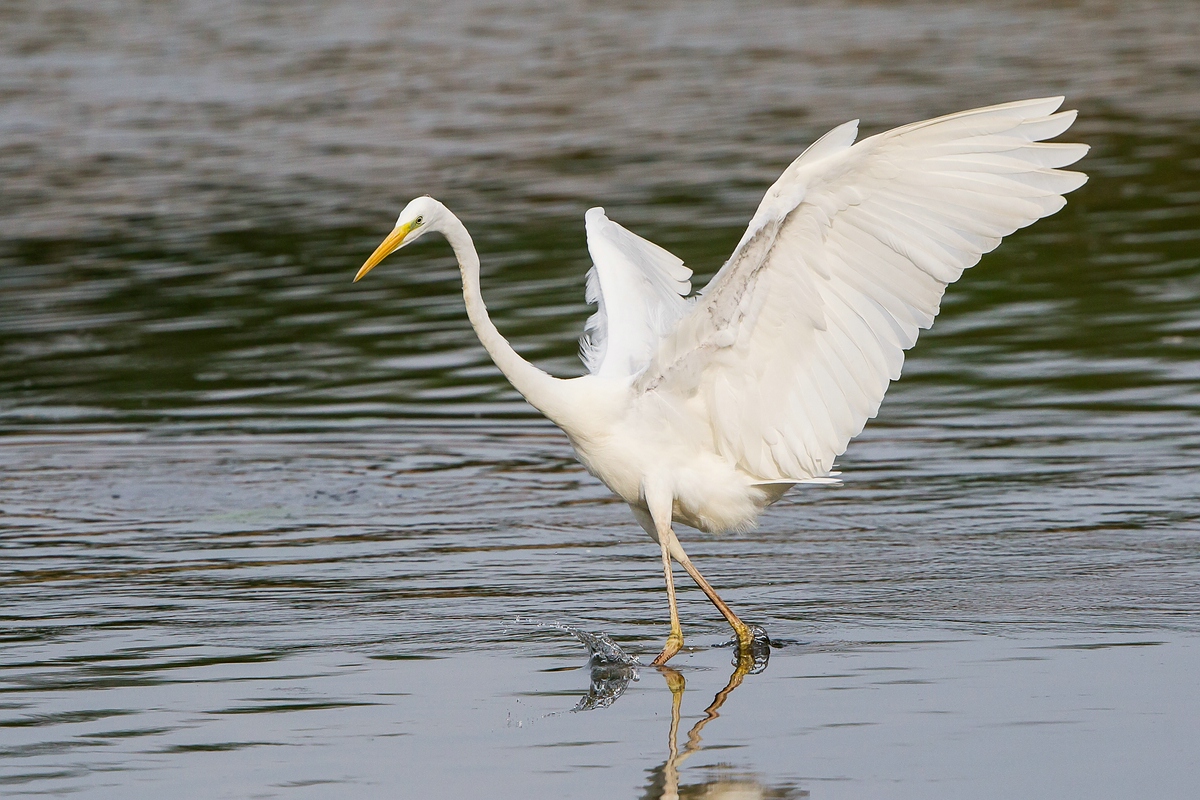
column 745, row 639
column 674, row 645
column 753, row 648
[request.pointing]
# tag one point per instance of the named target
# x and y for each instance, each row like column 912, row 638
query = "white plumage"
column 703, row 410
column 643, row 284
column 792, row 345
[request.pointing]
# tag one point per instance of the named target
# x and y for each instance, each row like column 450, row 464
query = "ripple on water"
column 266, row 532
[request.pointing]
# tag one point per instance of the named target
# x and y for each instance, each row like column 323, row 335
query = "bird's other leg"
column 741, row 630
column 659, row 504
column 675, row 637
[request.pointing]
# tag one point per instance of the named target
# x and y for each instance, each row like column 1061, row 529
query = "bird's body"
column 627, row 442
column 705, row 409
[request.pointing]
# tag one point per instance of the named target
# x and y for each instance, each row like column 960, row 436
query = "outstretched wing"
column 638, row 288
column 792, row 345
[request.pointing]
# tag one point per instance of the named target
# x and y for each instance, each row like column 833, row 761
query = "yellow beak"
column 391, row 244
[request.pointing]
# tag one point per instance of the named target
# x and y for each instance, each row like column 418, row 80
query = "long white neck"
column 544, row 392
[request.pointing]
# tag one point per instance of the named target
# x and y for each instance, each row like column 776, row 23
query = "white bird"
column 704, row 409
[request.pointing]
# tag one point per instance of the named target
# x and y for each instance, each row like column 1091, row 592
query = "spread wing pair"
column 791, row 346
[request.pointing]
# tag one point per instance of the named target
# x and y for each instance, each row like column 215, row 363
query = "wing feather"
column 794, row 342
column 639, row 291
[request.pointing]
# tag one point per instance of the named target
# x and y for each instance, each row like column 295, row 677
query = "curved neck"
column 540, row 389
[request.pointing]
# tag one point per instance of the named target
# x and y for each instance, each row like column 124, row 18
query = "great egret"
column 705, row 409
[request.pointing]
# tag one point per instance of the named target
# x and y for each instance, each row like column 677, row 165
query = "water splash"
column 612, row 669
column 602, row 650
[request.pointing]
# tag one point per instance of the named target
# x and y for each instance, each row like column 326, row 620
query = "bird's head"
column 418, row 217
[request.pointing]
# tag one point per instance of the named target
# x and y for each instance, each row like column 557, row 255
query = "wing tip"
column 1056, row 99
column 1069, row 116
column 1046, row 105
column 1079, row 178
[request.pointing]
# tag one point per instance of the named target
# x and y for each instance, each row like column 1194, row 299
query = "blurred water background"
column 265, row 533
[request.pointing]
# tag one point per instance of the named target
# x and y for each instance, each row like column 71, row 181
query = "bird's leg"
column 740, row 629
column 656, row 519
column 675, row 638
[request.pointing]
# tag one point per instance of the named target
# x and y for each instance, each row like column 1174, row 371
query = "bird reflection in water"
column 612, row 670
column 727, row 784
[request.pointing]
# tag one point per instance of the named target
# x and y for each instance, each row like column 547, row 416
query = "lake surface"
column 264, row 533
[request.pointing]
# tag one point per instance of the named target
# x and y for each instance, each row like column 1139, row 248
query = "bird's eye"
column 418, row 220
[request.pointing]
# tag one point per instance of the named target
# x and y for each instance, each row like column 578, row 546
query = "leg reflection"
column 664, row 782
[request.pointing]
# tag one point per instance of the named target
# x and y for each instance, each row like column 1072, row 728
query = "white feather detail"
column 638, row 289
column 790, row 348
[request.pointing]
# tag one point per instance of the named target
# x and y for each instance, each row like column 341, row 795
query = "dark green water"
column 267, row 533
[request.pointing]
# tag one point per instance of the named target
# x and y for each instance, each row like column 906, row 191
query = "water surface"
column 264, row 532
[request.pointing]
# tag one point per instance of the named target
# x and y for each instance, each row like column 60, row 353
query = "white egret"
column 704, row 409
